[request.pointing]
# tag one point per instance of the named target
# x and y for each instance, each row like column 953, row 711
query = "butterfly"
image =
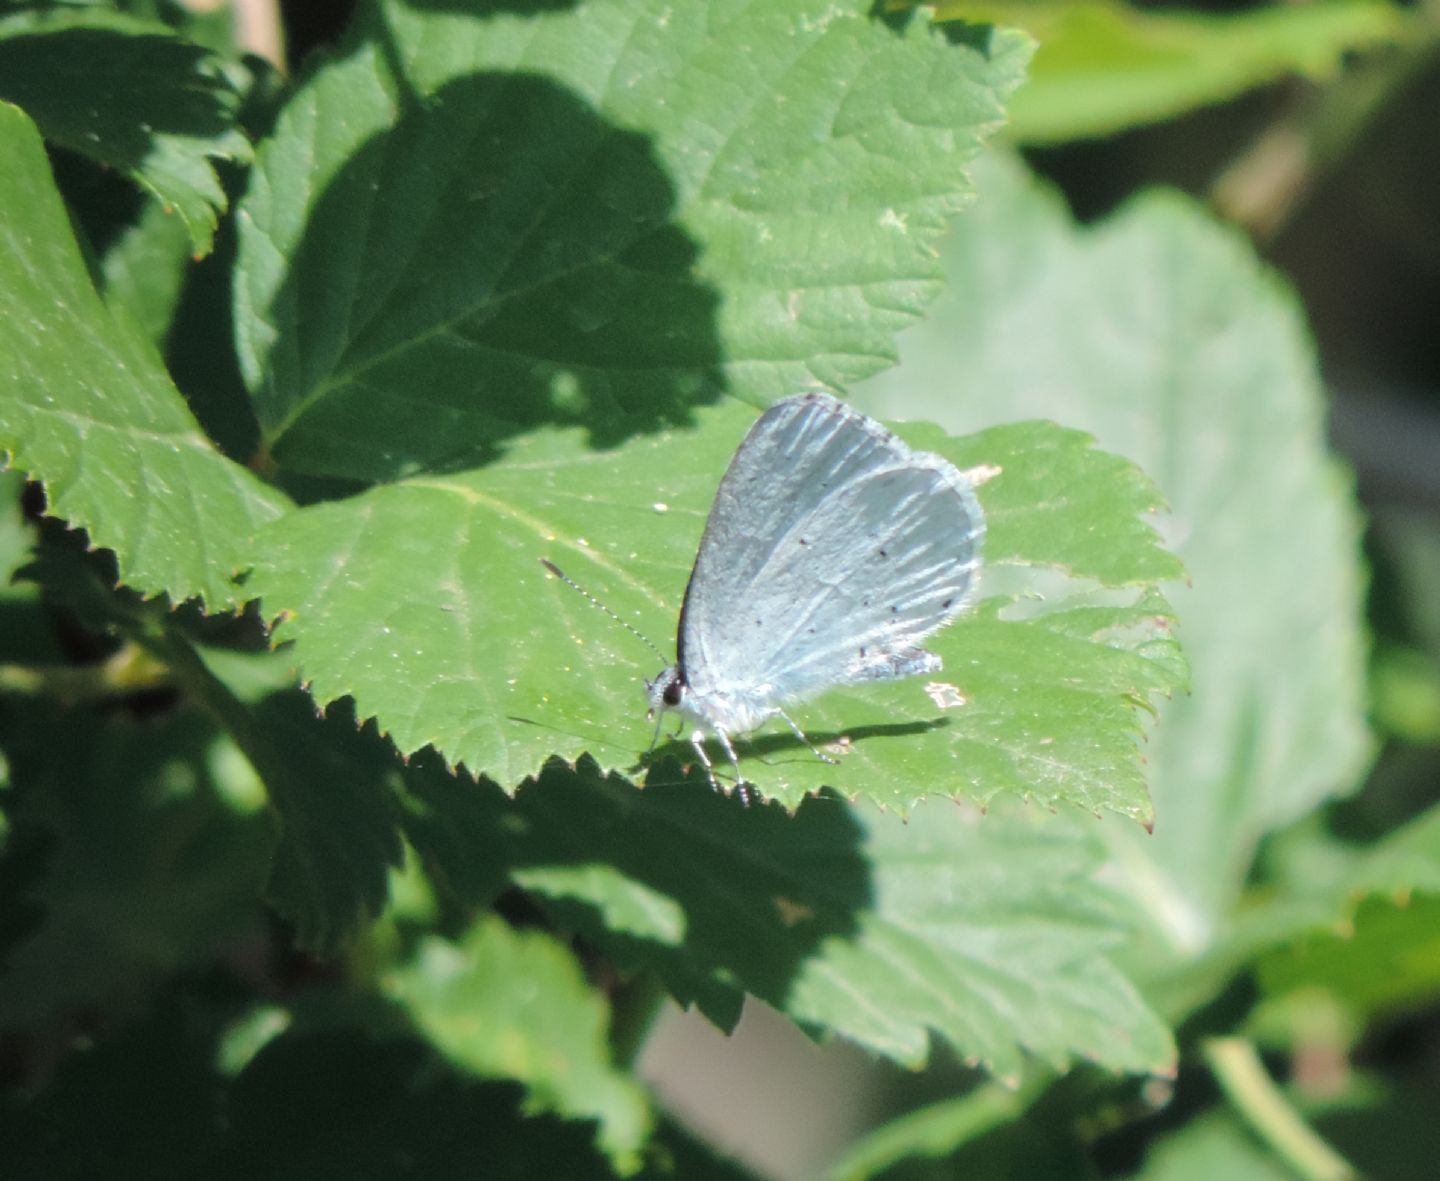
column 831, row 550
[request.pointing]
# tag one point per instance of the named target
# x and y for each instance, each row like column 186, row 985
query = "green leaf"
column 443, row 574
column 599, row 214
column 1384, row 960
column 508, row 1004
column 1160, row 332
column 990, row 932
column 131, row 96
column 87, row 409
column 1103, row 66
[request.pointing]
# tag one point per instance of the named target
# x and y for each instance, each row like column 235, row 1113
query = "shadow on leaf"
column 500, row 259
column 715, row 897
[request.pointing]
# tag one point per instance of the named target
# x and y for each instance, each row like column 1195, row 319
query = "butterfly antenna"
column 594, row 602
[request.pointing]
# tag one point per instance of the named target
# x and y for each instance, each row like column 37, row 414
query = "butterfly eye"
column 671, row 696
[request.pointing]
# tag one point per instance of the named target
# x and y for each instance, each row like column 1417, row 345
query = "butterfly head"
column 666, row 691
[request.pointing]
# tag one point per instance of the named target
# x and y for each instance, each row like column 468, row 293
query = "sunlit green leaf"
column 87, row 409
column 427, row 602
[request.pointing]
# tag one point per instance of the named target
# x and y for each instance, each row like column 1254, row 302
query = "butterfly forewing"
column 832, row 549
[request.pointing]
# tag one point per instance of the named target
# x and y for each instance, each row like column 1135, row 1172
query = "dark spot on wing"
column 803, row 541
column 883, row 554
column 862, row 653
column 946, row 604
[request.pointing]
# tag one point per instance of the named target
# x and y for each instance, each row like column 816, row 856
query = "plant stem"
column 1240, row 1073
column 234, row 716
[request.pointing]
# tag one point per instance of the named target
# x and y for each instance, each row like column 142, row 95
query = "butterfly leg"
column 697, row 740
column 660, row 725
column 800, row 734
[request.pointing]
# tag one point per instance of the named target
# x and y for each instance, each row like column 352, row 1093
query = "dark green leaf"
column 129, row 857
column 144, row 271
column 332, row 785
column 131, row 96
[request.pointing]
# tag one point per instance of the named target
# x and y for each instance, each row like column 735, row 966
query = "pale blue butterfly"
column 831, row 551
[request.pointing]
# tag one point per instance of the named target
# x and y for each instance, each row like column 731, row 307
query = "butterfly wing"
column 832, row 549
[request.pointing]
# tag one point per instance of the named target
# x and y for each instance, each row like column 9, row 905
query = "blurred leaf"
column 1405, row 684
column 338, row 1102
column 87, row 409
column 132, row 96
column 133, row 864
column 599, row 214
column 988, row 932
column 91, row 1120
column 335, row 1103
column 1409, row 542
column 1373, row 939
column 1394, row 1135
column 1406, row 861
column 1103, row 66
column 443, row 574
column 1164, row 336
column 514, row 1005
column 1214, row 1145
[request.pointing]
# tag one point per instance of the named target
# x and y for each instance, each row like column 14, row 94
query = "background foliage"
column 325, row 810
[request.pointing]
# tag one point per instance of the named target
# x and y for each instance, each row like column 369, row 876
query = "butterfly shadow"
column 765, row 746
